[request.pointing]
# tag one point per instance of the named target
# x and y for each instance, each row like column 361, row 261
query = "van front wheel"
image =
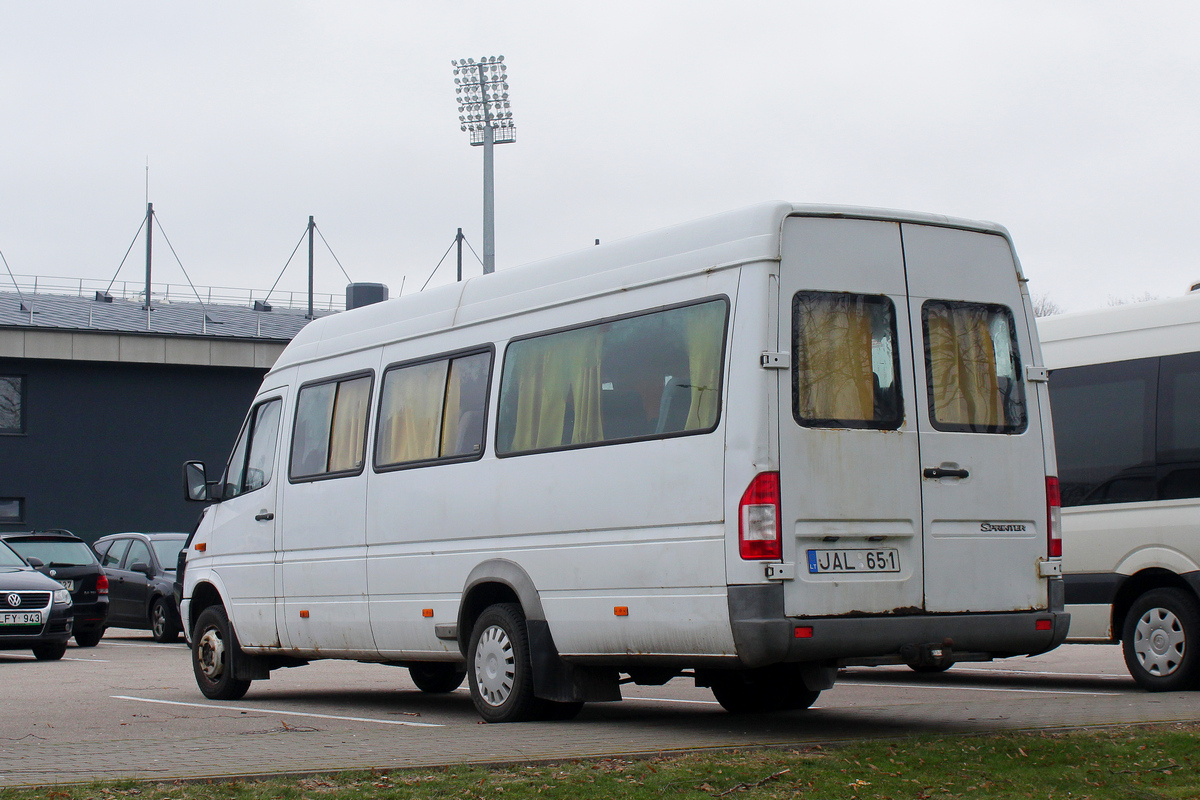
column 498, row 666
column 1161, row 640
column 213, row 646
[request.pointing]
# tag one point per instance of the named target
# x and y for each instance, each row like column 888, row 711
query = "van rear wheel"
column 437, row 677
column 498, row 666
column 213, row 647
column 1161, row 640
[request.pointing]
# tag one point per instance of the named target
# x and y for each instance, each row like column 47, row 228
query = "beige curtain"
column 452, row 415
column 704, row 327
column 550, row 371
column 962, row 363
column 412, row 413
column 349, row 427
column 836, row 381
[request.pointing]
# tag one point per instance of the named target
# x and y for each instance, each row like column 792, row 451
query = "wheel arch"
column 497, row 580
column 204, row 595
column 1144, row 581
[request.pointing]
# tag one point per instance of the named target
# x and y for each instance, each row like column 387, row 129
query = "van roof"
column 724, row 240
column 1121, row 333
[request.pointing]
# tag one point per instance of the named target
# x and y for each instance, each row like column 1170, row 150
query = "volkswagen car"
column 35, row 611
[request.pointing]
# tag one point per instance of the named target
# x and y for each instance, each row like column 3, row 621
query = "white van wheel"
column 499, row 669
column 213, row 646
column 1160, row 640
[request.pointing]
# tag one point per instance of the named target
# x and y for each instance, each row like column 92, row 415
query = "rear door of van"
column 912, row 475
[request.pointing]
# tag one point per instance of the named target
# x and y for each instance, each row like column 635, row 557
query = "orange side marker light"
column 621, row 611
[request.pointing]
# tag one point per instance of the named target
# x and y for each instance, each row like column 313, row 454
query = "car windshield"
column 8, row 558
column 56, row 553
column 167, row 551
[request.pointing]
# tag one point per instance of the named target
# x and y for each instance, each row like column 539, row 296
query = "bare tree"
column 1043, row 306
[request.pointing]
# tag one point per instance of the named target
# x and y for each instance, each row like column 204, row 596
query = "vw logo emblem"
column 53, row 572
column 14, row 599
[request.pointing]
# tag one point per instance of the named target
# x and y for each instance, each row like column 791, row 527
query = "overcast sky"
column 1074, row 124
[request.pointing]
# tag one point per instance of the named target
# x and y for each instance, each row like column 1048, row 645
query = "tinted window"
column 251, row 465
column 63, row 554
column 167, row 551
column 12, row 404
column 112, row 558
column 139, row 552
column 1104, row 431
column 845, row 361
column 433, row 410
column 1179, row 427
column 650, row 375
column 973, row 368
column 331, row 428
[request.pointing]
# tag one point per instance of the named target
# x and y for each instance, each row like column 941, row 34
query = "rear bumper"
column 764, row 635
column 90, row 616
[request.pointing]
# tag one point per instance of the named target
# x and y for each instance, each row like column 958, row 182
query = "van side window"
column 973, row 367
column 1179, row 427
column 845, row 363
column 1104, row 431
column 645, row 376
column 434, row 410
column 331, row 428
column 253, row 458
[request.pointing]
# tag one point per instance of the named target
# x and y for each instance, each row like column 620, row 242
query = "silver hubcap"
column 211, row 653
column 494, row 666
column 1159, row 642
column 160, row 619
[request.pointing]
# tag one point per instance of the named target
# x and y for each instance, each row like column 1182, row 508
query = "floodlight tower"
column 482, row 89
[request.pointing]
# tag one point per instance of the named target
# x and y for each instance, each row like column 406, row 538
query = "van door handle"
column 264, row 516
column 938, row 472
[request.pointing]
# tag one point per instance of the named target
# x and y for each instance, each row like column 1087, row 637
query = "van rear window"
column 973, row 367
column 845, row 364
column 652, row 375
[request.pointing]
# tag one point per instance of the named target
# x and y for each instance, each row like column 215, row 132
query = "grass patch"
column 1120, row 763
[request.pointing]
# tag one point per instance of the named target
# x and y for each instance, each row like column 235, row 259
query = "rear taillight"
column 1053, row 518
column 758, row 519
column 102, row 584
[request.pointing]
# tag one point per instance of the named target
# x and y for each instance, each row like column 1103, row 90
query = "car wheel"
column 498, row 666
column 756, row 691
column 89, row 638
column 51, row 651
column 437, row 678
column 1161, row 640
column 930, row 668
column 162, row 624
column 213, row 646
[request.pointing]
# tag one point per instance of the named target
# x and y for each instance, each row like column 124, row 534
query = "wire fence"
column 172, row 292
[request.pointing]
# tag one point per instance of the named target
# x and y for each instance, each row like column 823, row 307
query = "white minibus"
column 1125, row 387
column 748, row 450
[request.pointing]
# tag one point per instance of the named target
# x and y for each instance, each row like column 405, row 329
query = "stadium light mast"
column 482, row 89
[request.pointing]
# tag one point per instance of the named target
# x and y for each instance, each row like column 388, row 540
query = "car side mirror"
column 195, row 482
column 142, row 567
column 35, row 562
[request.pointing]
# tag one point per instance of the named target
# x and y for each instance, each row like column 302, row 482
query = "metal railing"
column 170, row 292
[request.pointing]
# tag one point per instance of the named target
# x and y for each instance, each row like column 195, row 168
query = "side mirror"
column 35, row 562
column 142, row 567
column 195, row 482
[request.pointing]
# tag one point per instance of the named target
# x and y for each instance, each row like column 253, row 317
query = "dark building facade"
column 97, row 419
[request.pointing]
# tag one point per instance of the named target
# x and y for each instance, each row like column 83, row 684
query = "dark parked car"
column 66, row 558
column 35, row 611
column 141, row 577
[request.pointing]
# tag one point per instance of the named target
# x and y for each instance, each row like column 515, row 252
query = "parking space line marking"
column 941, row 687
column 670, row 700
column 1043, row 672
column 25, row 657
column 269, row 711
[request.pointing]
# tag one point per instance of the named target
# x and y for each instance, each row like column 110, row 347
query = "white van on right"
column 1125, row 395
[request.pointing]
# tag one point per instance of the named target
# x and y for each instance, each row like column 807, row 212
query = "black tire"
column 213, row 646
column 89, row 638
column 162, row 621
column 1161, row 640
column 51, row 651
column 756, row 691
column 498, row 666
column 930, row 668
column 437, row 677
